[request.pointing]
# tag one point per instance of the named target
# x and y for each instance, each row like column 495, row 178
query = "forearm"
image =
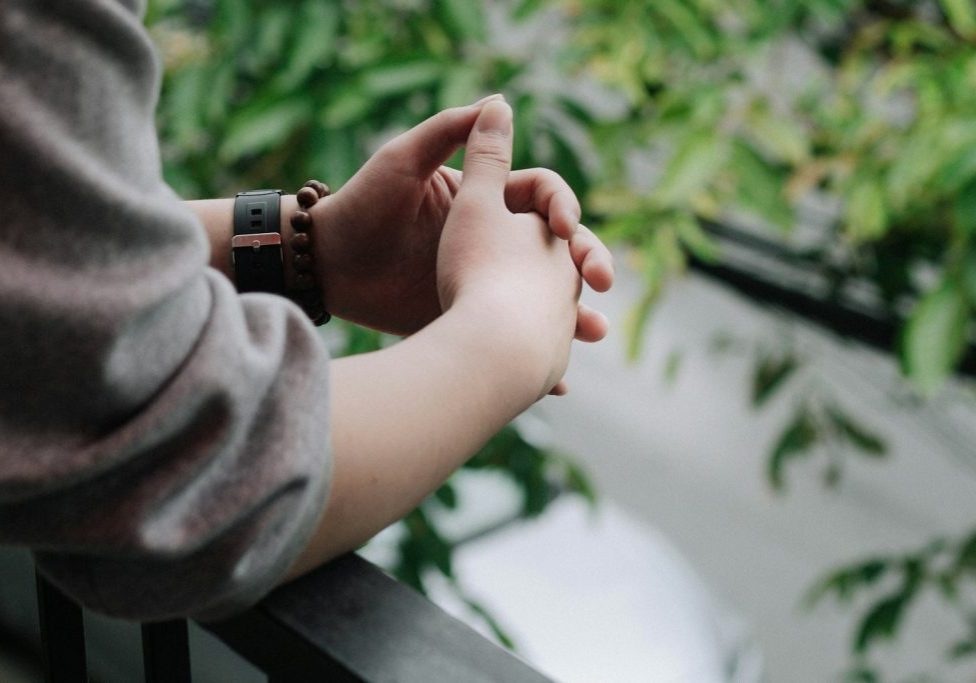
column 406, row 417
column 217, row 216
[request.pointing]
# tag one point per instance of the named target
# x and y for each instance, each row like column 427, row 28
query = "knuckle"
column 394, row 149
column 552, row 178
column 490, row 156
column 469, row 205
column 492, row 148
column 441, row 118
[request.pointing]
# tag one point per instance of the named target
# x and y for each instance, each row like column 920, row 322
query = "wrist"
column 509, row 339
column 217, row 218
column 289, row 205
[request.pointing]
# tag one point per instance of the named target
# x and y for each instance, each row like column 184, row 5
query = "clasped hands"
column 406, row 236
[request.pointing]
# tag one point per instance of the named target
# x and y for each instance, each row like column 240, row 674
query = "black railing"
column 767, row 272
column 347, row 621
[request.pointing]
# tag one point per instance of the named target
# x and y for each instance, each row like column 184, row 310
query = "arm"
column 164, row 440
column 405, row 417
column 217, row 218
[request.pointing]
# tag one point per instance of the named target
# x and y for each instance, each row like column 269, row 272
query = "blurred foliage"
column 757, row 108
column 664, row 115
column 763, row 111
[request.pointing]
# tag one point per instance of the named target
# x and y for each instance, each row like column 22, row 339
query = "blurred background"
column 767, row 472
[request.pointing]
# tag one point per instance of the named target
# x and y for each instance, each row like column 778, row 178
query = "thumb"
column 423, row 148
column 488, row 153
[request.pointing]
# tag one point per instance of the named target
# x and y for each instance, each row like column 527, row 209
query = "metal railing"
column 347, row 621
column 767, row 272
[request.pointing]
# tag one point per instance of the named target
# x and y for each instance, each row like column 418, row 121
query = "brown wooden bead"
column 301, row 221
column 303, row 263
column 304, row 281
column 301, row 242
column 321, row 188
column 307, row 196
column 311, row 302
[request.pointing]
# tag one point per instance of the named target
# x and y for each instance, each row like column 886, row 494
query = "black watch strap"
column 256, row 245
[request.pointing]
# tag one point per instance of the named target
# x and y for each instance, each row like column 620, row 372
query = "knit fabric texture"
column 164, row 445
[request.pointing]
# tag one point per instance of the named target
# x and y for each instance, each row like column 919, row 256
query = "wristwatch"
column 256, row 244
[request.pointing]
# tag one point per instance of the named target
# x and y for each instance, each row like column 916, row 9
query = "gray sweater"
column 163, row 440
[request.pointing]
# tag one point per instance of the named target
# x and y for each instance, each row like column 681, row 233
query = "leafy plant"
column 942, row 567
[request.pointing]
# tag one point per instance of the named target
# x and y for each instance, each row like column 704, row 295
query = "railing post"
column 166, row 652
column 62, row 635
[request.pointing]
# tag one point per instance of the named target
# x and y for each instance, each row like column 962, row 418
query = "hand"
column 509, row 264
column 376, row 238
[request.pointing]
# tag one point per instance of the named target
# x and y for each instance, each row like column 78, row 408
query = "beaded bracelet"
column 306, row 293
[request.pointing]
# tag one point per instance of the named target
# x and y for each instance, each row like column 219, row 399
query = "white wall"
column 689, row 459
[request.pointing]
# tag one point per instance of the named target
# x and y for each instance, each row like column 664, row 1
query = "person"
column 171, row 447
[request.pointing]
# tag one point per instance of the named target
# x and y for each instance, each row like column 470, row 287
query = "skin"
column 376, row 238
column 482, row 269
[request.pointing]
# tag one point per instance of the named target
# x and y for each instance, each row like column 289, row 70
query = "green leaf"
column 964, row 210
column 672, row 366
column 347, row 105
column 359, row 339
column 566, row 158
column 684, row 21
column 400, row 79
column 969, row 275
column 577, row 481
column 638, row 319
column 460, row 86
column 832, row 474
column 784, row 138
column 233, row 21
column 263, row 125
column 465, row 18
column 935, row 337
column 844, row 582
column 186, row 89
column 266, row 44
column 526, row 8
column 447, row 496
column 966, row 556
column 496, row 628
column 336, row 152
column 760, row 187
column 797, row 439
column 439, row 553
column 862, row 674
column 857, row 435
column 696, row 240
column 867, row 217
column 313, row 41
column 917, row 161
column 694, row 165
column 881, row 622
column 962, row 649
column 961, row 15
column 771, row 373
column 956, row 171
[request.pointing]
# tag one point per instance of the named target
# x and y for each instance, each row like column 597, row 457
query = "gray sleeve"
column 163, row 440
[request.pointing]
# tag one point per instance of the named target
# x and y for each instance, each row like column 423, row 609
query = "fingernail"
column 490, row 98
column 496, row 117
